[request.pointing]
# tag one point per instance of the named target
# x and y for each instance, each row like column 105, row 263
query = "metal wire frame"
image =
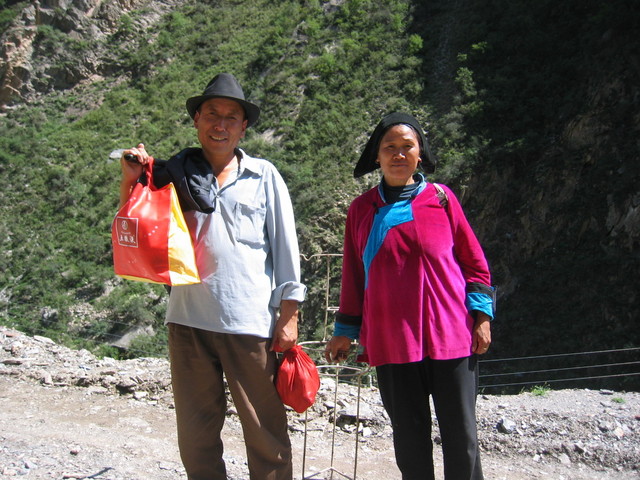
column 335, row 371
column 552, row 372
column 327, row 308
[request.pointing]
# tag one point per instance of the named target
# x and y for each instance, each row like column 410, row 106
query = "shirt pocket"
column 250, row 223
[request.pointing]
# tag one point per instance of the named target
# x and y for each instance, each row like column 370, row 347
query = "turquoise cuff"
column 480, row 302
column 343, row 330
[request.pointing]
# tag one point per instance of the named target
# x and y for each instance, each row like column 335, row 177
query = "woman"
column 416, row 291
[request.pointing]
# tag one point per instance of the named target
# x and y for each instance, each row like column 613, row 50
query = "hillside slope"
column 533, row 111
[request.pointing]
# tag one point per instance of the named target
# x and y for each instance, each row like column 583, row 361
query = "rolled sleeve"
column 481, row 298
column 288, row 291
column 284, row 244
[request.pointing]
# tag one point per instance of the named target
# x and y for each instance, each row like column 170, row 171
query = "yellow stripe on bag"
column 140, row 279
column 182, row 262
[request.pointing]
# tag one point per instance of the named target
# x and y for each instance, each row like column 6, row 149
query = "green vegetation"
column 9, row 10
column 312, row 73
column 540, row 390
column 531, row 109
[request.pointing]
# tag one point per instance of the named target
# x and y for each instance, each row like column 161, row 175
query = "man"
column 241, row 220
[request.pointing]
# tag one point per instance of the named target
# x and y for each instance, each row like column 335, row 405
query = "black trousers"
column 453, row 385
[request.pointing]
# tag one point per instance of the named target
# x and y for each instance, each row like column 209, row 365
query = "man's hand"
column 131, row 170
column 285, row 334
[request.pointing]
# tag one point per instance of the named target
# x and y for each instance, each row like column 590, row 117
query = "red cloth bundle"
column 298, row 380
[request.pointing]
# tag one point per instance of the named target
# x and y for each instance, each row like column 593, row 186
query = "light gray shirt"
column 247, row 255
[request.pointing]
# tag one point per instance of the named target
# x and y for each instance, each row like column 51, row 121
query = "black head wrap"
column 367, row 162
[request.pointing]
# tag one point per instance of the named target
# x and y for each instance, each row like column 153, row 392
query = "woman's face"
column 399, row 155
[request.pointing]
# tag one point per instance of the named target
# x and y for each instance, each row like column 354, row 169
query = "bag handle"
column 147, row 169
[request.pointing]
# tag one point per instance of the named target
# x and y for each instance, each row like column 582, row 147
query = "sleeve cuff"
column 288, row 291
column 480, row 302
column 343, row 330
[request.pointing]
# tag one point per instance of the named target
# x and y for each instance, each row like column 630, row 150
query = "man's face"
column 221, row 123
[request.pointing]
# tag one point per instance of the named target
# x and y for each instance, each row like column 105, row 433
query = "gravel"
column 68, row 415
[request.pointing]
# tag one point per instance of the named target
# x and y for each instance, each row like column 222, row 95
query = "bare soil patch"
column 66, row 414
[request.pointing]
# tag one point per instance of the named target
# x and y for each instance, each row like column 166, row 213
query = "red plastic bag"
column 298, row 380
column 150, row 238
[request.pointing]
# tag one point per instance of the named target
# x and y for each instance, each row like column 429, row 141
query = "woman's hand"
column 481, row 334
column 337, row 349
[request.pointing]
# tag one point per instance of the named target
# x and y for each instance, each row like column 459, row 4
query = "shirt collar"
column 412, row 192
column 247, row 162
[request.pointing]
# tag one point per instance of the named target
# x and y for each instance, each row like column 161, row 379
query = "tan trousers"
column 198, row 360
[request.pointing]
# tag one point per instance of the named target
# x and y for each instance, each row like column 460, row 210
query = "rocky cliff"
column 58, row 44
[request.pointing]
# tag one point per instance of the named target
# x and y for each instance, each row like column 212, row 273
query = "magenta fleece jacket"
column 406, row 271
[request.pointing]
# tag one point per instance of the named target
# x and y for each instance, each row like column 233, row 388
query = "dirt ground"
column 52, row 428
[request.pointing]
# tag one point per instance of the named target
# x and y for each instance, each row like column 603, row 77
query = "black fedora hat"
column 367, row 162
column 224, row 85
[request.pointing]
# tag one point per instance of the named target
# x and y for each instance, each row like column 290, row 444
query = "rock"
column 604, row 426
column 96, row 390
column 506, row 426
column 47, row 379
column 618, row 432
column 564, row 459
column 579, row 447
column 45, row 340
column 14, row 361
column 140, row 395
